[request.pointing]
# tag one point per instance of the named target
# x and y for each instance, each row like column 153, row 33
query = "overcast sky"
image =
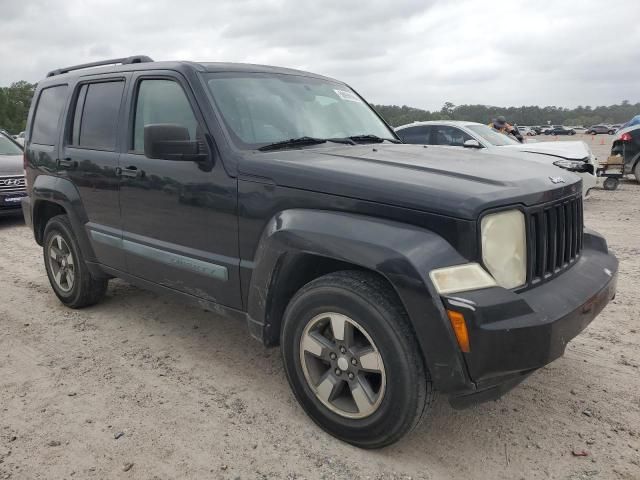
column 418, row 53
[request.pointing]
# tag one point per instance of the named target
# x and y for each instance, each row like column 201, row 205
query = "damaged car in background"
column 627, row 144
column 576, row 156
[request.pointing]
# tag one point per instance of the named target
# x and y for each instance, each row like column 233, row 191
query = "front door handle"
column 67, row 163
column 130, row 172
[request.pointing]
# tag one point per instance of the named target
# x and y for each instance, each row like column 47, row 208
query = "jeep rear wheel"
column 68, row 274
column 353, row 361
column 636, row 171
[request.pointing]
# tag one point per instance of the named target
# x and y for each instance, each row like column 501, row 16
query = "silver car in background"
column 12, row 182
column 574, row 156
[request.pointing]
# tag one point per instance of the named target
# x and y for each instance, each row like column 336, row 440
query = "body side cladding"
column 401, row 253
column 191, row 300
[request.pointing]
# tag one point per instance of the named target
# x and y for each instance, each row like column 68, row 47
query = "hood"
column 11, row 165
column 569, row 150
column 453, row 182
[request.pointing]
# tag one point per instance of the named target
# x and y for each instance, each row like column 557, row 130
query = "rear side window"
column 95, row 120
column 416, row 135
column 47, row 115
column 446, row 135
column 161, row 101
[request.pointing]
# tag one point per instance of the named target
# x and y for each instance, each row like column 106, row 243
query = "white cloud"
column 410, row 52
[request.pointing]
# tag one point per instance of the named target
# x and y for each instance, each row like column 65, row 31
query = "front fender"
column 403, row 254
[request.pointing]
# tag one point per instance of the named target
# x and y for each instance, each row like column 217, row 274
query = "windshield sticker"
column 345, row 95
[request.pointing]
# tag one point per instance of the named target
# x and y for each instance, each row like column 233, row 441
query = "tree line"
column 525, row 115
column 16, row 98
column 14, row 106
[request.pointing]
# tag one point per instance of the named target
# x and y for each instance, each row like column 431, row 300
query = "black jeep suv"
column 384, row 271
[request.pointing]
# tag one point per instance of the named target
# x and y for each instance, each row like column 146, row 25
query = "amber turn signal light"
column 460, row 329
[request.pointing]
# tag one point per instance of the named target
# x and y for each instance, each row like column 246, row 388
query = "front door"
column 179, row 217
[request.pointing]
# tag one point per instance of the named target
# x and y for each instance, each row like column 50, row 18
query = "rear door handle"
column 67, row 163
column 130, row 172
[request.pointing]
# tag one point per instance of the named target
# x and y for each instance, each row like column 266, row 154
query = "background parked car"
column 19, row 138
column 573, row 156
column 579, row 129
column 559, row 130
column 596, row 129
column 528, row 131
column 627, row 144
column 12, row 184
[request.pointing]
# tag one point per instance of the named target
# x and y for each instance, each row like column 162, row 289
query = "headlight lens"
column 461, row 278
column 504, row 247
column 573, row 165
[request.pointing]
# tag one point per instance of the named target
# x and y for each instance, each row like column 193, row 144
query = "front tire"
column 353, row 361
column 67, row 271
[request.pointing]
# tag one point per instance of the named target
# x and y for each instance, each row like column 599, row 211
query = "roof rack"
column 121, row 61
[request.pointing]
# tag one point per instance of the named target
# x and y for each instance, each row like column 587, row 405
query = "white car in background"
column 575, row 156
column 528, row 131
column 19, row 138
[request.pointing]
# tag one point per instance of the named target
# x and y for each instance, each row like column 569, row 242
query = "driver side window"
column 162, row 101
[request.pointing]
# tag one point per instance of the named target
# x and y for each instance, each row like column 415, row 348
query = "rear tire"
column 610, row 183
column 397, row 384
column 67, row 271
column 636, row 171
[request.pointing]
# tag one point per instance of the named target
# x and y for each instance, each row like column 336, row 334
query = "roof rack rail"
column 112, row 61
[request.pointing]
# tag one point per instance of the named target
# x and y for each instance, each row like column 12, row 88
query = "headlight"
column 504, row 247
column 461, row 278
column 572, row 165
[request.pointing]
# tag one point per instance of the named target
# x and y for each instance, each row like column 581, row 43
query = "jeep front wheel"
column 68, row 274
column 353, row 361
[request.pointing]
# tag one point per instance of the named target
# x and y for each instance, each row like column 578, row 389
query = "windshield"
column 7, row 147
column 492, row 136
column 263, row 108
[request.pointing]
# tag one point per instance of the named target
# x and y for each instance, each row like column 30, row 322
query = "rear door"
column 179, row 219
column 90, row 158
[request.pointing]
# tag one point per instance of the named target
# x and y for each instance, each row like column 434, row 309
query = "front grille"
column 555, row 238
column 14, row 184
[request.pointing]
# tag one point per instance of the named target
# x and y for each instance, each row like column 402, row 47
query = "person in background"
column 500, row 124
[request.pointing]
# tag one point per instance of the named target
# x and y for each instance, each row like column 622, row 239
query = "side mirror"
column 165, row 141
column 472, row 144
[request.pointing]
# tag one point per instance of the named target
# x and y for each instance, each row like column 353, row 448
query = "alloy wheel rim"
column 342, row 365
column 61, row 263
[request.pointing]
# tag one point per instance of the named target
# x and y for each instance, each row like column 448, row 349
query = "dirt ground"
column 140, row 387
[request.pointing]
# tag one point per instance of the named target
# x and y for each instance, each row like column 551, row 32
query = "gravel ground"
column 140, row 387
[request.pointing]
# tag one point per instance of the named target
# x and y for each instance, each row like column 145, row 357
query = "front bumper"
column 10, row 203
column 513, row 334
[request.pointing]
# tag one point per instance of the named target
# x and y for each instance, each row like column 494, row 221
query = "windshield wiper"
column 372, row 139
column 292, row 142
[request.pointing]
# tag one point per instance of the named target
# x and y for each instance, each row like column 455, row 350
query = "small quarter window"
column 47, row 115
